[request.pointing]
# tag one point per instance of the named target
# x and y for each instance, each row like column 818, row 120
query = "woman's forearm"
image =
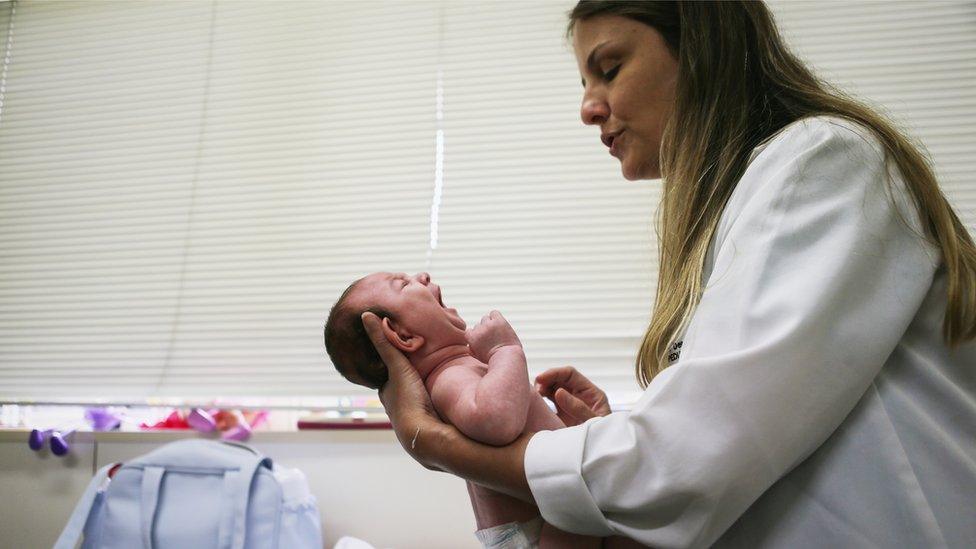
column 500, row 468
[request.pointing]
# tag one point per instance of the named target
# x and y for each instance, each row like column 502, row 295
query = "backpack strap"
column 225, row 532
column 152, row 477
column 76, row 524
column 237, row 493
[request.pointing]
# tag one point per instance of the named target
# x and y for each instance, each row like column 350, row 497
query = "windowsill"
column 281, row 427
column 258, row 437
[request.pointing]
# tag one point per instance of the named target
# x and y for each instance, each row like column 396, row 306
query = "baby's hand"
column 490, row 335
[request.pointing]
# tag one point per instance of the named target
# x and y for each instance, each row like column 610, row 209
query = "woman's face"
column 629, row 78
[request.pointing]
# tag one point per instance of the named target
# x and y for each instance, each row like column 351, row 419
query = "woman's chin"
column 629, row 172
column 639, row 173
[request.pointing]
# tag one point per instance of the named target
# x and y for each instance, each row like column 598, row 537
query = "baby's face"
column 415, row 301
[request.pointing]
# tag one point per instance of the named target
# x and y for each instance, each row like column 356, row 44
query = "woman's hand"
column 405, row 398
column 577, row 398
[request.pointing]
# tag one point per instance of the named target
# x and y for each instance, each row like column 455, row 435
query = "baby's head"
column 414, row 321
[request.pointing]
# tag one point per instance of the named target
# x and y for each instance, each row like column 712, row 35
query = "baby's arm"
column 490, row 408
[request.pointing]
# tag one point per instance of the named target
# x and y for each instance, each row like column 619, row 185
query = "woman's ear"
column 401, row 338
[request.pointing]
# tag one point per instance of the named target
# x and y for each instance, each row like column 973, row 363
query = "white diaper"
column 511, row 535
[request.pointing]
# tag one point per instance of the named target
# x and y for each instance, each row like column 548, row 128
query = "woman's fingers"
column 572, row 410
column 565, row 376
column 576, row 384
column 404, row 395
column 396, row 363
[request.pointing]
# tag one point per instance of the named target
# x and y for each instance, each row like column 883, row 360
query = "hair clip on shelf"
column 37, row 438
column 58, row 438
column 59, row 442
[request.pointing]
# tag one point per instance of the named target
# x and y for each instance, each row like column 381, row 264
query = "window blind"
column 187, row 184
column 186, row 187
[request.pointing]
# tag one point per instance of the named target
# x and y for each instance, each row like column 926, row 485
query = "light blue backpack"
column 196, row 494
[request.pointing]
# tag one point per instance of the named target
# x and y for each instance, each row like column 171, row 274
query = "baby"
column 477, row 380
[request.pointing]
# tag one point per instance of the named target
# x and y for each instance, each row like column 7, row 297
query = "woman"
column 810, row 369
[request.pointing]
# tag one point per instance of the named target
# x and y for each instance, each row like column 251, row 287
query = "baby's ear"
column 400, row 337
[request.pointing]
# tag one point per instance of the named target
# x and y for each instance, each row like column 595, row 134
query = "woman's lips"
column 615, row 146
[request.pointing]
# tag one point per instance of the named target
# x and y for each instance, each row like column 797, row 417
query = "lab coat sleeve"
column 815, row 278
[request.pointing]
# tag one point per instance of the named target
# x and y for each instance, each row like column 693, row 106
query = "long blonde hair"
column 738, row 84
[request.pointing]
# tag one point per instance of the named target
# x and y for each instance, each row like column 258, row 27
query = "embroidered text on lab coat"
column 675, row 352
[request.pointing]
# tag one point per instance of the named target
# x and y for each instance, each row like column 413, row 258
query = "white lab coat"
column 814, row 403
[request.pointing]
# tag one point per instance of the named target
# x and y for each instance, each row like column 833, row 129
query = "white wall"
column 365, row 483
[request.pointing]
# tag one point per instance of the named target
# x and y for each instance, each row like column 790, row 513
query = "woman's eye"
column 609, row 75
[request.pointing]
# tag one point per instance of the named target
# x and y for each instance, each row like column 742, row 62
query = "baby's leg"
column 492, row 508
column 554, row 538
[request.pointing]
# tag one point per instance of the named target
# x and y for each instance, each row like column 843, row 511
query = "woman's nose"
column 594, row 111
column 423, row 278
